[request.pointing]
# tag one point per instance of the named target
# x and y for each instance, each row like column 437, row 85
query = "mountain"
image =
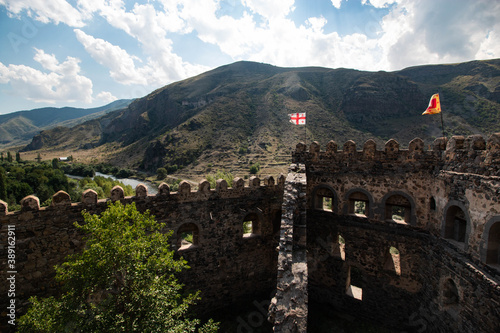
column 236, row 115
column 18, row 128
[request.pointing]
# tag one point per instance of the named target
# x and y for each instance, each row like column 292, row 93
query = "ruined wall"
column 410, row 291
column 437, row 281
column 226, row 265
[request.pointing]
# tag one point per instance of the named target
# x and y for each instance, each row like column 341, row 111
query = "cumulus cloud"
column 270, row 9
column 406, row 33
column 336, row 3
column 106, row 97
column 160, row 70
column 57, row 11
column 421, row 32
column 62, row 83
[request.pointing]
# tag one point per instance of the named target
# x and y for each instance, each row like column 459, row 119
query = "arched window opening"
column 323, row 199
column 450, row 293
column 493, row 249
column 432, row 204
column 359, row 204
column 354, row 283
column 340, row 248
column 251, row 225
column 456, row 224
column 398, row 209
column 393, row 261
column 187, row 236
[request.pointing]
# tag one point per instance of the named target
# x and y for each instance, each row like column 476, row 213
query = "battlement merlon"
column 471, row 154
column 61, row 199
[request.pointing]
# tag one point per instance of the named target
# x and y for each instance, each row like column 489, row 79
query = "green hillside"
column 236, row 115
column 18, row 128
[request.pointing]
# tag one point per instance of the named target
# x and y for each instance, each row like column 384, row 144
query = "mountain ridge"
column 236, row 115
column 17, row 128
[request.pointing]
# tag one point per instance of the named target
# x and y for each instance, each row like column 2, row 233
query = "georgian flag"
column 297, row 118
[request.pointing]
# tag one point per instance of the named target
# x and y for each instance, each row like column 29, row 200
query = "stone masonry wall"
column 414, row 298
column 225, row 265
column 289, row 307
column 435, row 283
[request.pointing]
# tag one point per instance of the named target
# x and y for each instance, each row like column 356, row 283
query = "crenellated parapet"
column 472, row 154
column 185, row 193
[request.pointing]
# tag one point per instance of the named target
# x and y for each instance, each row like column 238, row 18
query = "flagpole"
column 305, row 127
column 442, row 124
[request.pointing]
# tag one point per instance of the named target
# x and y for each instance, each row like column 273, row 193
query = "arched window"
column 450, row 293
column 393, row 261
column 251, row 225
column 493, row 245
column 187, row 236
column 324, row 199
column 358, row 204
column 432, row 204
column 455, row 224
column 340, row 248
column 398, row 209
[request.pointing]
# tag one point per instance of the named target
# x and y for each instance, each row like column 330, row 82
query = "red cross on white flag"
column 297, row 118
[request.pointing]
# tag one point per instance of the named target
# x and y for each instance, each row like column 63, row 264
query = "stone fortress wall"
column 408, row 238
column 419, row 245
column 226, row 265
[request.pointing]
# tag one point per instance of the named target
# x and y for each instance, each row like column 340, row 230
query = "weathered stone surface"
column 89, row 197
column 30, row 203
column 141, row 191
column 117, row 193
column 61, row 198
column 335, row 236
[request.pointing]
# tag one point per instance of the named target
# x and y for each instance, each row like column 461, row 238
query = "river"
column 152, row 189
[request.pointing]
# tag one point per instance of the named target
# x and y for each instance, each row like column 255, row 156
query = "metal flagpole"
column 305, row 128
column 442, row 123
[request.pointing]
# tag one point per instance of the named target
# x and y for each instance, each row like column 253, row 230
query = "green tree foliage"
column 123, row 281
column 9, row 157
column 3, row 184
column 220, row 174
column 102, row 186
column 26, row 178
column 18, row 157
column 255, row 168
column 161, row 173
column 55, row 163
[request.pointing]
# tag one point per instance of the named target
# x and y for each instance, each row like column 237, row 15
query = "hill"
column 18, row 128
column 236, row 115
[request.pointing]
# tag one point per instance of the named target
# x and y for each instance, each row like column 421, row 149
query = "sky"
column 87, row 53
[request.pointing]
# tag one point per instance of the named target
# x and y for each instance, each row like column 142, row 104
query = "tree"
column 123, row 281
column 55, row 163
column 9, row 157
column 255, row 168
column 161, row 173
column 3, row 184
column 220, row 174
column 18, row 157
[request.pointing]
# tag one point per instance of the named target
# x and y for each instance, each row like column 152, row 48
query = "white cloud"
column 411, row 33
column 61, row 84
column 336, row 3
column 379, row 3
column 106, row 97
column 270, row 9
column 57, row 11
column 423, row 32
column 150, row 28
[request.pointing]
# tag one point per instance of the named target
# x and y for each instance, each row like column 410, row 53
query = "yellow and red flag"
column 434, row 105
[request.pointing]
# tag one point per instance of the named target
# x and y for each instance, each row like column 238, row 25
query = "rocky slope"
column 236, row 115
